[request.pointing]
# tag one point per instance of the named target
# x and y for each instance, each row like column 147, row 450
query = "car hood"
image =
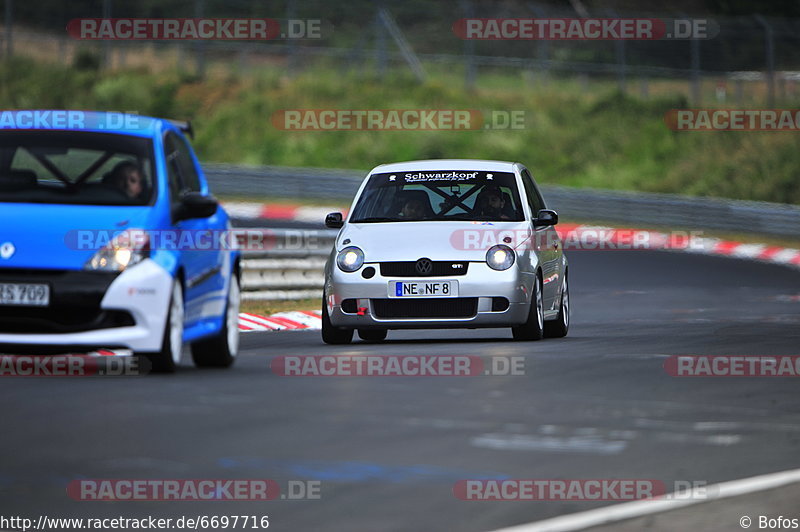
column 405, row 241
column 47, row 236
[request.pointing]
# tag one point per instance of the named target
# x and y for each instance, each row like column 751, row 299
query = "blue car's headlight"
column 500, row 257
column 350, row 259
column 124, row 250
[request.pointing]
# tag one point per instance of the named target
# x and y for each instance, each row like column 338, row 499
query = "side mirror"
column 545, row 217
column 334, row 220
column 196, row 205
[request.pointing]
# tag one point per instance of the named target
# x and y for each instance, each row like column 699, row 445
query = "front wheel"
column 559, row 327
column 330, row 334
column 220, row 350
column 167, row 359
column 533, row 328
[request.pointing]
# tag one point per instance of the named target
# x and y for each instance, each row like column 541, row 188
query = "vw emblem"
column 424, row 266
column 6, row 250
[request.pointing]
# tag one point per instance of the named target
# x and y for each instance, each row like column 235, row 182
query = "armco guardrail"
column 289, row 265
column 636, row 208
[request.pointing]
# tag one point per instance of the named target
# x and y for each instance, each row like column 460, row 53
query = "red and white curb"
column 278, row 211
column 293, row 320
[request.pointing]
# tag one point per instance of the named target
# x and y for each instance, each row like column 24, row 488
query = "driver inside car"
column 491, row 204
column 413, row 209
column 127, row 176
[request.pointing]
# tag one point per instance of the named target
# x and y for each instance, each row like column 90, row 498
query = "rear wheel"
column 220, row 350
column 372, row 335
column 559, row 327
column 167, row 359
column 331, row 334
column 533, row 328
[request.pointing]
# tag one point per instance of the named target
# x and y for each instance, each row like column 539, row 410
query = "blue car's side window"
column 174, row 177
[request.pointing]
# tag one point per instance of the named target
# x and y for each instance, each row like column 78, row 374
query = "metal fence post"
column 469, row 49
column 380, row 42
column 291, row 60
column 769, row 41
column 543, row 46
column 696, row 89
column 106, row 54
column 402, row 43
column 619, row 52
column 9, row 14
column 696, row 79
column 199, row 49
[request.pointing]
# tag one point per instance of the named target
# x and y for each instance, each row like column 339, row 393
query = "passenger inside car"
column 416, row 205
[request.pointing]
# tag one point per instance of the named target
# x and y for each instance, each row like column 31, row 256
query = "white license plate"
column 423, row 289
column 24, row 294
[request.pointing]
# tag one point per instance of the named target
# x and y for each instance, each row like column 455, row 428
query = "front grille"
column 60, row 320
column 440, row 268
column 453, row 307
column 75, row 297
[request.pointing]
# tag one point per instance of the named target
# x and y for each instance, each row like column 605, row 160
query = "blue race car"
column 110, row 239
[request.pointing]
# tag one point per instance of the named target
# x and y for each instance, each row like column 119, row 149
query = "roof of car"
column 78, row 120
column 446, row 164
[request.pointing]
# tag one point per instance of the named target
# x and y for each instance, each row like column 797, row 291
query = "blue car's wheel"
column 169, row 357
column 221, row 349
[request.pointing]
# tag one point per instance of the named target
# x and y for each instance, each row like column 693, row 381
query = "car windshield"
column 439, row 195
column 71, row 167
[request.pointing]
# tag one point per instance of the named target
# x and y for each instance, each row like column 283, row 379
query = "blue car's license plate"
column 423, row 288
column 23, row 294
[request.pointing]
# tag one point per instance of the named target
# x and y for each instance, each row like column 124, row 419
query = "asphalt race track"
column 388, row 450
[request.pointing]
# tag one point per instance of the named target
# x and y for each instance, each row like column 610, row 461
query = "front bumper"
column 91, row 309
column 481, row 283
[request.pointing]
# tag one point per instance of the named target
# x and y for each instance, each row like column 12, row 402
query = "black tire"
column 533, row 328
column 330, row 334
column 164, row 361
column 372, row 335
column 559, row 327
column 220, row 350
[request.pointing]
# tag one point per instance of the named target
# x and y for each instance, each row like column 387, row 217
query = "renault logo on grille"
column 424, row 266
column 6, row 250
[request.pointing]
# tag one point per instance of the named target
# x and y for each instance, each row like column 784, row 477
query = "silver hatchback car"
column 444, row 244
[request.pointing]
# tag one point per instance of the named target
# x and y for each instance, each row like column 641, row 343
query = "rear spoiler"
column 185, row 126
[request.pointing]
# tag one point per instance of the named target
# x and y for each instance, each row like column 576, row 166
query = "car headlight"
column 350, row 259
column 500, row 257
column 124, row 250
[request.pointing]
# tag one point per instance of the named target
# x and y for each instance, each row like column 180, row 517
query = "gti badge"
column 6, row 250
